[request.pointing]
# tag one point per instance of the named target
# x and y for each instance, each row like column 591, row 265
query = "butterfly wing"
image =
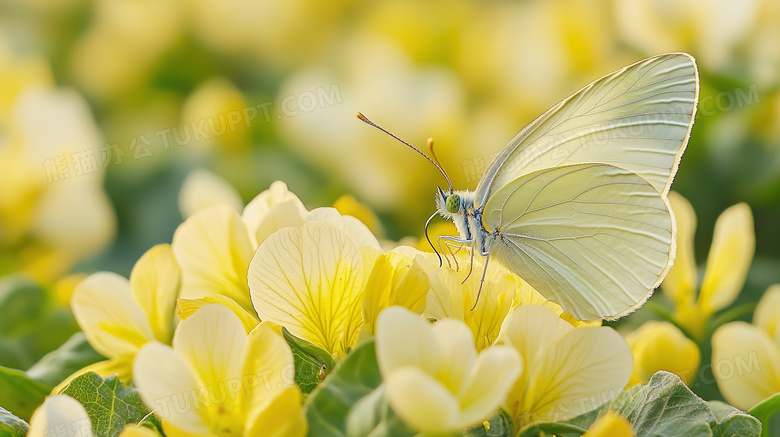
column 638, row 118
column 594, row 238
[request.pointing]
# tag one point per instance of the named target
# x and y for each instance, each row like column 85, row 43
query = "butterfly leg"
column 460, row 241
column 448, row 244
column 482, row 282
column 441, row 249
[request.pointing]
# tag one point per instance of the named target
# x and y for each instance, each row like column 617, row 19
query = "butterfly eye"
column 453, row 203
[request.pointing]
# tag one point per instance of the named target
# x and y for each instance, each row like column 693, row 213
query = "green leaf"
column 12, row 426
column 110, row 404
column 311, row 362
column 21, row 300
column 665, row 406
column 498, row 426
column 328, row 406
column 57, row 365
column 372, row 416
column 20, row 394
column 765, row 410
column 732, row 422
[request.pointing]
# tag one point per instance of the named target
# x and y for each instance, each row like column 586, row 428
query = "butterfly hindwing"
column 594, row 238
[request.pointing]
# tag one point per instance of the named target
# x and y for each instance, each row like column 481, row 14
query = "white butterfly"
column 576, row 204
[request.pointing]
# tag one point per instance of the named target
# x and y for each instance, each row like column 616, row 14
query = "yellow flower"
column 746, row 358
column 568, row 371
column 502, row 290
column 217, row 379
column 348, row 205
column 395, row 279
column 662, row 346
column 611, row 424
column 730, row 256
column 434, row 378
column 119, row 316
column 222, row 105
column 64, row 416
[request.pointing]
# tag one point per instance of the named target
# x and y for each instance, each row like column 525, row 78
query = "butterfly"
column 576, row 203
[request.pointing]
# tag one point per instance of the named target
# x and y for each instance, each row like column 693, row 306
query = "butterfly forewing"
column 594, row 238
column 637, row 118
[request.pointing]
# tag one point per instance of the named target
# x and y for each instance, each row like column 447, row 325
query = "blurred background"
column 107, row 105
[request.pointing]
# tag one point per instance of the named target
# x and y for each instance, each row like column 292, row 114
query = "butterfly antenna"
column 427, row 222
column 365, row 120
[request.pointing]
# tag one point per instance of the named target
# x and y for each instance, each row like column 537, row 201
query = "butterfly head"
column 449, row 203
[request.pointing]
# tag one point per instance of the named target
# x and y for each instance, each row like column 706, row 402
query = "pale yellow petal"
column 60, row 414
column 422, row 402
column 309, row 280
column 767, row 315
column 168, row 386
column 730, row 257
column 211, row 341
column 187, row 308
column 496, row 369
column 457, row 355
column 680, row 283
column 267, row 367
column 395, row 279
column 662, row 346
column 577, row 373
column 112, row 321
column 611, row 424
column 530, row 329
column 403, row 339
column 138, row 431
column 202, row 189
column 354, row 228
column 281, row 416
column 746, row 364
column 271, row 210
column 214, row 249
column 155, row 282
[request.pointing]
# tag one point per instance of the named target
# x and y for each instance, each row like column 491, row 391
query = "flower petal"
column 530, row 329
column 457, row 354
column 268, row 367
column 730, row 257
column 680, row 284
column 112, row 321
column 403, row 339
column 154, row 282
column 496, row 369
column 577, row 373
column 422, row 402
column 354, row 228
column 60, row 414
column 202, row 189
column 212, row 342
column 188, row 307
column 281, row 416
column 168, row 386
column 746, row 364
column 214, row 249
column 767, row 315
column 662, row 346
column 395, row 279
column 309, row 280
column 271, row 210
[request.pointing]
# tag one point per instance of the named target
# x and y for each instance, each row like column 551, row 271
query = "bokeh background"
column 107, row 105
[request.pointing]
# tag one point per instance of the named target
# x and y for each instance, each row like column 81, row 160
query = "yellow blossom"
column 348, row 205
column 746, row 357
column 119, row 316
column 64, row 416
column 730, row 256
column 202, row 189
column 434, row 378
column 217, row 379
column 568, row 371
column 662, row 346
